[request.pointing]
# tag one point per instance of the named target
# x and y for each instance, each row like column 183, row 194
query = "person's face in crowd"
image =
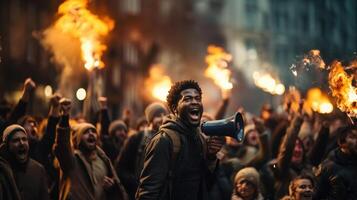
column 89, row 140
column 19, row 146
column 246, row 189
column 351, row 142
column 304, row 189
column 157, row 122
column 189, row 107
column 120, row 134
column 253, row 138
column 298, row 153
column 31, row 128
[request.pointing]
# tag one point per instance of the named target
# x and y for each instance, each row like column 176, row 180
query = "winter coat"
column 30, row 177
column 8, row 188
column 75, row 181
column 187, row 173
column 337, row 177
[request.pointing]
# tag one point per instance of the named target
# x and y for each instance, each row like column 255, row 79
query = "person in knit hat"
column 246, row 185
column 130, row 161
column 29, row 175
column 86, row 171
column 113, row 142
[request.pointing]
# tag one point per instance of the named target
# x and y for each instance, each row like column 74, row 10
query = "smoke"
column 66, row 53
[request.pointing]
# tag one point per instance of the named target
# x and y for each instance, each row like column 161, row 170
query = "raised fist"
column 103, row 102
column 55, row 100
column 66, row 105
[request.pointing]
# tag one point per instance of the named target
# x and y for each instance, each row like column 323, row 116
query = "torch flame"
column 217, row 60
column 76, row 20
column 317, row 101
column 342, row 89
column 158, row 83
column 266, row 82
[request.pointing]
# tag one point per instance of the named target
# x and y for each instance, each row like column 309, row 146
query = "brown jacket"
column 75, row 182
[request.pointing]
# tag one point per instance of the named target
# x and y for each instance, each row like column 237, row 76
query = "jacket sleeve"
column 263, row 154
column 156, row 168
column 48, row 139
column 63, row 149
column 18, row 112
column 287, row 146
column 319, row 148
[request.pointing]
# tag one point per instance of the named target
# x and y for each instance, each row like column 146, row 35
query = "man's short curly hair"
column 175, row 92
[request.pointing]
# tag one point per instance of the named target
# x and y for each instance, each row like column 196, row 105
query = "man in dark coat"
column 86, row 172
column 130, row 161
column 29, row 175
column 337, row 174
column 171, row 174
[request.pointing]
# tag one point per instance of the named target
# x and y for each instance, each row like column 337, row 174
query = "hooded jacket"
column 337, row 177
column 30, row 177
column 75, row 181
column 184, row 177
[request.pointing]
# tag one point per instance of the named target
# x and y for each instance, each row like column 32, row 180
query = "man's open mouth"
column 195, row 114
column 91, row 140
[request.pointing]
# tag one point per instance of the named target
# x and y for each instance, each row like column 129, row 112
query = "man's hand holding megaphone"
column 214, row 145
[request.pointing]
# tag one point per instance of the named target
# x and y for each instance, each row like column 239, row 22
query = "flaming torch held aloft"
column 267, row 83
column 317, row 101
column 341, row 86
column 217, row 61
column 80, row 23
column 158, row 83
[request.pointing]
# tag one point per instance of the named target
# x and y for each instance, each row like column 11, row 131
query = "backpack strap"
column 176, row 145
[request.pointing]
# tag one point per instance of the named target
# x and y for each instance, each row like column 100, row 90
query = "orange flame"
column 266, row 82
column 342, row 89
column 158, row 83
column 217, row 60
column 76, row 20
column 317, row 101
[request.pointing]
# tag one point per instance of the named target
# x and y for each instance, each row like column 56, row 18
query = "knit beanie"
column 80, row 129
column 248, row 173
column 11, row 130
column 154, row 110
column 248, row 128
column 117, row 124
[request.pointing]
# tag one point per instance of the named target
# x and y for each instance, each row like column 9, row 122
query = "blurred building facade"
column 258, row 33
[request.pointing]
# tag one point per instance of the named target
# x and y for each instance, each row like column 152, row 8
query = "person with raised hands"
column 86, row 172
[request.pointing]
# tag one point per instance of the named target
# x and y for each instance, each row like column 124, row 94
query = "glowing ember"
column 76, row 20
column 312, row 59
column 217, row 60
column 342, row 89
column 158, row 83
column 266, row 82
column 317, row 101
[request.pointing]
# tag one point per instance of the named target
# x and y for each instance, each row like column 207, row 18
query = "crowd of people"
column 290, row 155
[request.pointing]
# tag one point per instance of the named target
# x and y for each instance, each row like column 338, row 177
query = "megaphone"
column 232, row 127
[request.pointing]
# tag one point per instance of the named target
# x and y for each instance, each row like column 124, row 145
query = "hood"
column 173, row 123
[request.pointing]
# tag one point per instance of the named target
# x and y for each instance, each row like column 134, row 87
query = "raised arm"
column 63, row 149
column 48, row 138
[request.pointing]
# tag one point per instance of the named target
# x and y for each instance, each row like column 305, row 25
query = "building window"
column 131, row 54
column 132, row 7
